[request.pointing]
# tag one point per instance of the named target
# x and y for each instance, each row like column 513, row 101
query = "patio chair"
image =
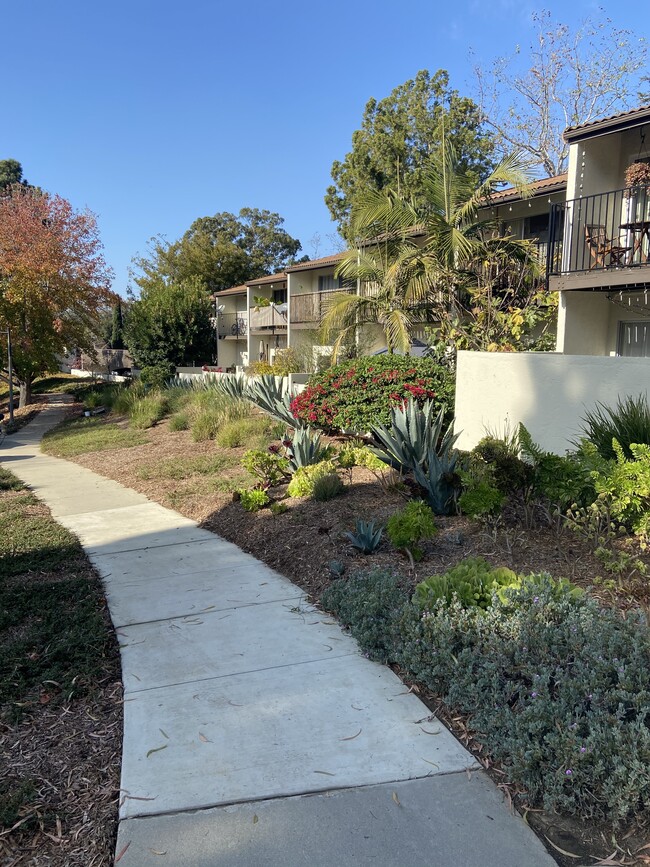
column 600, row 247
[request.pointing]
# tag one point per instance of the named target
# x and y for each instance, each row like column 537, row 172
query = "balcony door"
column 634, row 339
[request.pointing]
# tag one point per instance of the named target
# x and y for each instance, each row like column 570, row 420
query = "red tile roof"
column 538, row 188
column 236, row 290
column 270, row 278
column 333, row 259
column 621, row 120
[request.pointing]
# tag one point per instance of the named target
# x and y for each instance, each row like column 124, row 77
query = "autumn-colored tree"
column 53, row 280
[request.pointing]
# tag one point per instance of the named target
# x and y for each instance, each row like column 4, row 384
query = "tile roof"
column 280, row 277
column 235, row 290
column 537, row 188
column 333, row 259
column 613, row 123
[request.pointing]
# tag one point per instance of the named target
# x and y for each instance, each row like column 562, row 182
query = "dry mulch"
column 71, row 754
column 303, row 542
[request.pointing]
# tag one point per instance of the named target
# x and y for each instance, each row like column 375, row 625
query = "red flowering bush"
column 358, row 393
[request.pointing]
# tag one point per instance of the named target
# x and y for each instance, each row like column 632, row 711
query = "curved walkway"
column 254, row 731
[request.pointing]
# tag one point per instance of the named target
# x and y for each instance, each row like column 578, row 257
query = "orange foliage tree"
column 54, row 280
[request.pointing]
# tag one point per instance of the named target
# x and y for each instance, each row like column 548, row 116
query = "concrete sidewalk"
column 255, row 733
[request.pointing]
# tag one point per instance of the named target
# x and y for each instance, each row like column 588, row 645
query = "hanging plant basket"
column 637, row 175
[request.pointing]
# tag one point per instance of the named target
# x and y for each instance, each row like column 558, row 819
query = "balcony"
column 601, row 240
column 309, row 309
column 232, row 326
column 268, row 320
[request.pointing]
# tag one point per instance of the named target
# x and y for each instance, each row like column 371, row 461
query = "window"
column 634, row 339
column 279, row 296
column 331, row 283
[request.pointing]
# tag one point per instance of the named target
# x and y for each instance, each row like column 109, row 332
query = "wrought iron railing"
column 602, row 232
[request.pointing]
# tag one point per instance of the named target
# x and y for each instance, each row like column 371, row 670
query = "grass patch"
column 53, row 636
column 185, row 468
column 180, row 421
column 79, row 436
column 8, row 482
column 64, row 384
column 254, row 432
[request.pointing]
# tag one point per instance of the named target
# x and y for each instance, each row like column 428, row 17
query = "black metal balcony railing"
column 602, row 232
column 233, row 325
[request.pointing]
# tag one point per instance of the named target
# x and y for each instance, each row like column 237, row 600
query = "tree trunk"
column 25, row 392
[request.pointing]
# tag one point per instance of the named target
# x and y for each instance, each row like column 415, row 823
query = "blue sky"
column 155, row 113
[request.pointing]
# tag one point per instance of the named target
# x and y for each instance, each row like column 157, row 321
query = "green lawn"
column 83, row 435
column 53, row 634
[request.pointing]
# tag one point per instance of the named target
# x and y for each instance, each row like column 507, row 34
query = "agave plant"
column 305, row 448
column 366, row 538
column 231, row 385
column 415, row 442
column 273, row 397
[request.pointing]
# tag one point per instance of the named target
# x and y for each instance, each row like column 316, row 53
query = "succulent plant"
column 367, row 537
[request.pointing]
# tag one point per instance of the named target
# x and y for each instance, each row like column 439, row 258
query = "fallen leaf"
column 156, row 852
column 352, row 737
column 325, row 772
column 164, row 734
column 562, row 851
column 255, row 819
column 122, row 851
column 435, row 764
column 203, row 739
column 396, row 799
column 429, row 733
column 156, row 750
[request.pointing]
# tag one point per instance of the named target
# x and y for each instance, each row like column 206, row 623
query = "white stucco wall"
column 548, row 392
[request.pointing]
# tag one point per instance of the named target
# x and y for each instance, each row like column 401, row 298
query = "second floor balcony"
column 268, row 320
column 601, row 239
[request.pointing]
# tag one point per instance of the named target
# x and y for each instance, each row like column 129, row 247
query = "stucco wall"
column 548, row 392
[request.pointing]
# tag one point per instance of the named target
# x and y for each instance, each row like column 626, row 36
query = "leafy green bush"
column 327, row 487
column 359, row 456
column 356, row 394
column 510, row 473
column 370, row 604
column 473, row 581
column 625, row 485
column 411, row 525
column 158, row 375
column 479, row 497
column 627, row 423
column 254, row 500
column 270, row 469
column 558, row 688
column 302, row 483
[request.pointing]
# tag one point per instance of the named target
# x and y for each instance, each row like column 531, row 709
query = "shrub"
column 148, row 410
column 247, row 431
column 209, row 410
column 509, row 472
column 472, row 582
column 625, row 486
column 356, row 394
column 260, row 368
column 359, row 456
column 480, row 497
column 278, row 508
column 411, row 525
column 366, row 537
column 327, row 487
column 254, row 500
column 370, row 604
column 287, row 361
column 302, row 483
column 180, row 421
column 627, row 423
column 558, row 688
column 157, row 375
column 270, row 469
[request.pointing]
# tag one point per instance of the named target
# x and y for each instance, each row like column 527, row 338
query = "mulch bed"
column 303, row 542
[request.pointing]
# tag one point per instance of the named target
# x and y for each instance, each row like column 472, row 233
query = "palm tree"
column 392, row 283
column 436, row 253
